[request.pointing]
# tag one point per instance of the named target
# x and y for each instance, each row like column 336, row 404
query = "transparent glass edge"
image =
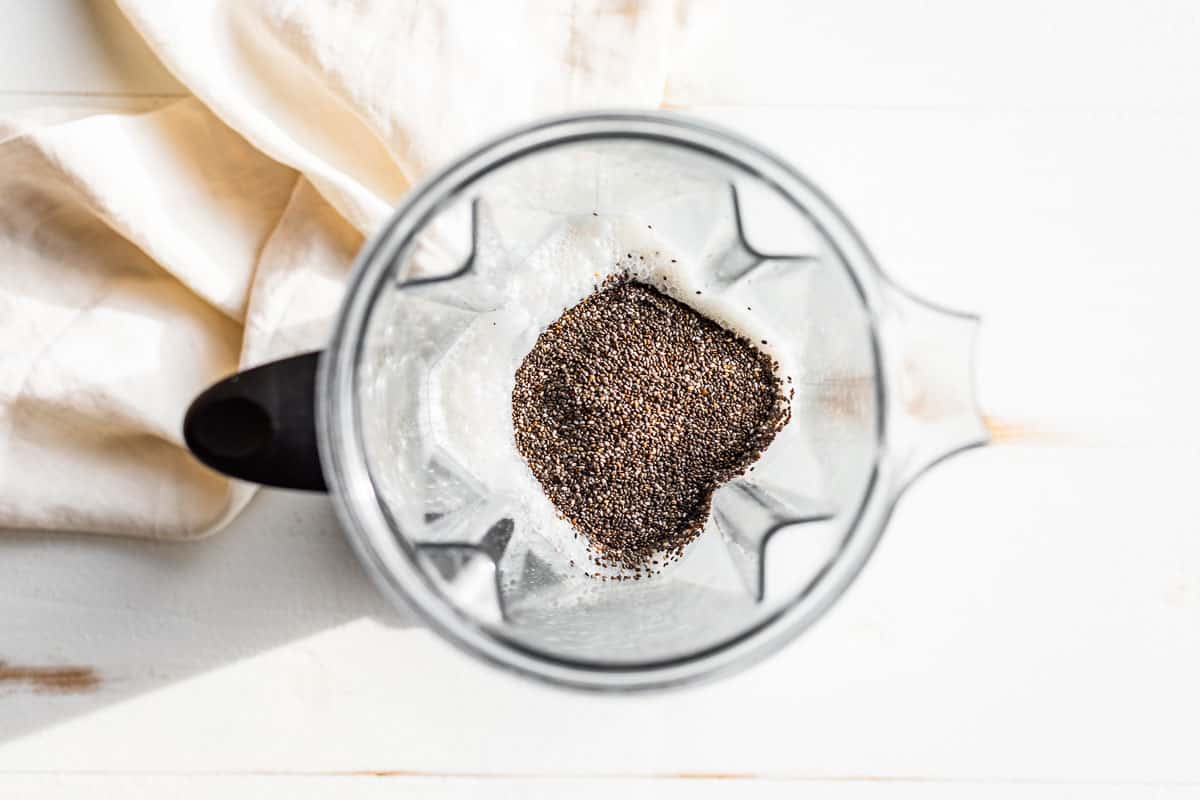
column 399, row 578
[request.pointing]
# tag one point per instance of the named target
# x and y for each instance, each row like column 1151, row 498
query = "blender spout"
column 928, row 353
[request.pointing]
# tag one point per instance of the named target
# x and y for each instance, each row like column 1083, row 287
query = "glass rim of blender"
column 391, row 559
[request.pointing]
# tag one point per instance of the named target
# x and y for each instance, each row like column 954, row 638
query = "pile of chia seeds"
column 631, row 409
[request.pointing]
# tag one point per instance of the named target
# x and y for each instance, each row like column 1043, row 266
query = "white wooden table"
column 1030, row 626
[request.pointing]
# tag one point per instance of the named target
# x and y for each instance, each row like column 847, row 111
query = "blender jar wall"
column 438, row 536
column 464, row 302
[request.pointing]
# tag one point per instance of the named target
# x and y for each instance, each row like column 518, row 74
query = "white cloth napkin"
column 143, row 257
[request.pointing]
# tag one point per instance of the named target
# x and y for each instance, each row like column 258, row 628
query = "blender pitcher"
column 406, row 416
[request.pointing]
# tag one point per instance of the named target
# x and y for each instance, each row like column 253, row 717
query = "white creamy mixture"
column 471, row 386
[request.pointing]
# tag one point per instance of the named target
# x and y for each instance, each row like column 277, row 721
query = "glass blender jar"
column 405, row 417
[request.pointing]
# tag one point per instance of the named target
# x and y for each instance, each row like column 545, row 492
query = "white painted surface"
column 292, row 787
column 1030, row 626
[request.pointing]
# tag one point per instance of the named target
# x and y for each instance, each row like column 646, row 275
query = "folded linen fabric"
column 143, row 256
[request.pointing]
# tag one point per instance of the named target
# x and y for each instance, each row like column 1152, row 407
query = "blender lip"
column 394, row 568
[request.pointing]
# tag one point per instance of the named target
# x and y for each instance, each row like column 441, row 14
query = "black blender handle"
column 259, row 425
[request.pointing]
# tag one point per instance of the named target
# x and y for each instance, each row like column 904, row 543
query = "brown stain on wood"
column 851, row 399
column 50, row 680
column 1016, row 432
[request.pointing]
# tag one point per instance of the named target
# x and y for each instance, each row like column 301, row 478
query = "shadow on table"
column 90, row 621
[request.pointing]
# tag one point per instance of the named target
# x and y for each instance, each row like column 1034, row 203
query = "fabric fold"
column 144, row 256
